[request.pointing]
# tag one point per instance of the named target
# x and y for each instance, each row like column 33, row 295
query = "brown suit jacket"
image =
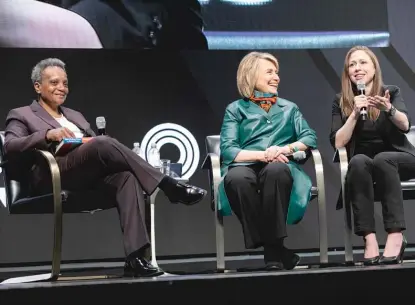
column 26, row 129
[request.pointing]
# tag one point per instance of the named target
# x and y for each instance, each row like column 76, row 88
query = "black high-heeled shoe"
column 371, row 261
column 398, row 259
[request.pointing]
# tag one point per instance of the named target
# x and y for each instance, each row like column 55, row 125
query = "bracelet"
column 293, row 149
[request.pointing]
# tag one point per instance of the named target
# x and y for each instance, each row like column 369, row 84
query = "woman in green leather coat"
column 262, row 185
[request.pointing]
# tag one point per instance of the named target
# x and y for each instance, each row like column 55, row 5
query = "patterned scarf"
column 264, row 100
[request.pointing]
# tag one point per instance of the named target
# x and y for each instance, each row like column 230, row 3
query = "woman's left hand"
column 277, row 154
column 380, row 102
column 281, row 154
column 285, row 150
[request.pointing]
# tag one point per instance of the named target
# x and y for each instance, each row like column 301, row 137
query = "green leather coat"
column 247, row 126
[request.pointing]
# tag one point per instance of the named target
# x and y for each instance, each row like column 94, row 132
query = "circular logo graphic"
column 169, row 133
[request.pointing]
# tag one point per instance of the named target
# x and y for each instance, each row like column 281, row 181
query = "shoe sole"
column 192, row 203
column 157, row 273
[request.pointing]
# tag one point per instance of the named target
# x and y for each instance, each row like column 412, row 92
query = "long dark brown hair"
column 348, row 88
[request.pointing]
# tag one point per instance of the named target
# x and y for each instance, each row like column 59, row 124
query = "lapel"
column 74, row 118
column 44, row 115
column 254, row 108
column 68, row 113
column 275, row 110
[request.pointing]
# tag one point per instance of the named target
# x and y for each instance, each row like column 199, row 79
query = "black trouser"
column 386, row 169
column 259, row 195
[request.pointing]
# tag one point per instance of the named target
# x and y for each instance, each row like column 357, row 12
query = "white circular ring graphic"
column 178, row 144
column 183, row 139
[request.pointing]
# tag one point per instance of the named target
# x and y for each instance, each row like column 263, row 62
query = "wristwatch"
column 392, row 111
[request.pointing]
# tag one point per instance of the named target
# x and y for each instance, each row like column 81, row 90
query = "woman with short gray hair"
column 101, row 164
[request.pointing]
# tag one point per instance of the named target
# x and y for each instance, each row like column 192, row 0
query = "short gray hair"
column 42, row 65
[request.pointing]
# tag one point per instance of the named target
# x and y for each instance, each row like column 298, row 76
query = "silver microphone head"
column 299, row 155
column 101, row 123
column 361, row 85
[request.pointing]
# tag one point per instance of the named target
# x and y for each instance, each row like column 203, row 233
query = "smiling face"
column 361, row 67
column 268, row 78
column 53, row 87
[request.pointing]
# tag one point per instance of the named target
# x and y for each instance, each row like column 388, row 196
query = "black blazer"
column 389, row 132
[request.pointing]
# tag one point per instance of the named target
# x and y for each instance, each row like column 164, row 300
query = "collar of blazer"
column 70, row 114
column 254, row 108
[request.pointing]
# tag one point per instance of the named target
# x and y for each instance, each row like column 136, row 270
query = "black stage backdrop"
column 295, row 15
column 137, row 91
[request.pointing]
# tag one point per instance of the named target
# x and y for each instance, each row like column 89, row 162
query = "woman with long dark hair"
column 378, row 150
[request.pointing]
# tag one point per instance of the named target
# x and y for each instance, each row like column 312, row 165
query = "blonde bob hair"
column 347, row 93
column 247, row 74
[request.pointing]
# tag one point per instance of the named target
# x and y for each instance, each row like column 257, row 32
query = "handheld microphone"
column 361, row 86
column 101, row 123
column 297, row 156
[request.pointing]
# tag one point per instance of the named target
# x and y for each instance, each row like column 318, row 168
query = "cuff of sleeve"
column 230, row 154
column 409, row 125
column 47, row 143
column 308, row 142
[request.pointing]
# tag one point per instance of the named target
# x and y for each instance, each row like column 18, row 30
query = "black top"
column 368, row 139
column 372, row 137
column 165, row 24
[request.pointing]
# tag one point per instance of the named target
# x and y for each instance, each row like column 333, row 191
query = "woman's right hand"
column 360, row 101
column 57, row 134
column 271, row 154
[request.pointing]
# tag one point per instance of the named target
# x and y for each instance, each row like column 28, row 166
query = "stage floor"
column 357, row 284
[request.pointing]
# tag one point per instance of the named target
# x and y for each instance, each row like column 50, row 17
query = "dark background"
column 136, row 90
column 297, row 15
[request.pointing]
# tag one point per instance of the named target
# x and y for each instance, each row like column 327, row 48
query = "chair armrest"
column 57, row 204
column 344, row 162
column 53, row 168
column 341, row 156
column 322, row 209
column 318, row 165
column 212, row 163
column 408, row 185
column 207, row 162
column 319, row 169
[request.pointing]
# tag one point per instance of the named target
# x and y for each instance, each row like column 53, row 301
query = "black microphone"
column 100, row 121
column 361, row 86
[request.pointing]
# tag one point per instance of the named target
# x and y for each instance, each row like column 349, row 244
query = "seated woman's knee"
column 126, row 177
column 359, row 161
column 277, row 169
column 384, row 157
column 99, row 144
column 238, row 174
column 102, row 141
